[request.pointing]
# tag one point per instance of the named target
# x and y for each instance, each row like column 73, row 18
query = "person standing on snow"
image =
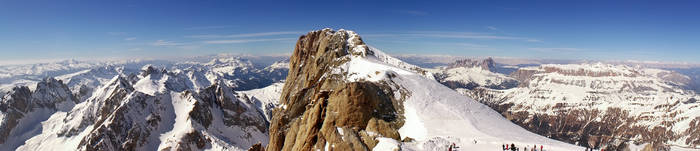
column 512, row 147
column 541, row 148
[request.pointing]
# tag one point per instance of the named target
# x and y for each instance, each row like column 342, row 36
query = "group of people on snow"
column 512, row 147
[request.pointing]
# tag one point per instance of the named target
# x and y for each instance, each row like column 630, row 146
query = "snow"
column 181, row 107
column 473, row 74
column 676, row 148
column 27, row 127
column 413, row 125
column 637, row 90
column 162, row 93
column 269, row 94
column 51, row 141
column 340, row 131
column 151, row 84
column 442, row 112
column 387, row 144
column 435, row 116
column 435, row 111
column 634, row 147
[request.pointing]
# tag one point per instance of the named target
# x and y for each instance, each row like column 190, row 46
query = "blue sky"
column 593, row 30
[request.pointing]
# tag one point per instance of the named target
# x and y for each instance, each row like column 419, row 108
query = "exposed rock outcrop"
column 320, row 109
column 487, row 64
column 473, row 73
column 23, row 109
column 179, row 106
column 216, row 117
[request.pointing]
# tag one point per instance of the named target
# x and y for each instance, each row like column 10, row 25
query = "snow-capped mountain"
column 336, row 92
column 342, row 94
column 470, row 74
column 90, row 74
column 178, row 106
column 22, row 110
column 694, row 74
column 596, row 105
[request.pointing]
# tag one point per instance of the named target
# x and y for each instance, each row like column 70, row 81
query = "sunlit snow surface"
column 434, row 112
column 45, row 130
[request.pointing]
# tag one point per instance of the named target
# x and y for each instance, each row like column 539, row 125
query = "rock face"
column 22, row 109
column 128, row 118
column 191, row 104
column 486, row 64
column 321, row 110
column 156, row 109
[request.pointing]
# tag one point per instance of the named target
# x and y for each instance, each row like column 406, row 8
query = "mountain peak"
column 51, row 92
column 486, row 64
column 322, row 108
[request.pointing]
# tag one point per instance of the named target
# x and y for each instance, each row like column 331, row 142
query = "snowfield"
column 154, row 101
column 435, row 112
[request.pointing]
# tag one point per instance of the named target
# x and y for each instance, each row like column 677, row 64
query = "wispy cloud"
column 206, row 27
column 558, row 49
column 165, row 43
column 246, row 35
column 116, row 33
column 492, row 28
column 470, row 35
column 412, row 12
column 471, row 45
column 130, row 38
column 233, row 41
column 454, row 35
column 381, row 35
column 189, row 47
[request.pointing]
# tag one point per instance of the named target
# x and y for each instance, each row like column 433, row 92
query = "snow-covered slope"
column 21, row 110
column 190, row 105
column 639, row 105
column 266, row 99
column 434, row 112
column 339, row 78
column 122, row 116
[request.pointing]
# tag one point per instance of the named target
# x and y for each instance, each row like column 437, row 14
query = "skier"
column 503, row 147
column 534, row 147
column 512, row 147
column 506, row 146
column 541, row 148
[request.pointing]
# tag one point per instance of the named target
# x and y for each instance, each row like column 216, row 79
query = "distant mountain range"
column 335, row 91
column 596, row 105
column 157, row 106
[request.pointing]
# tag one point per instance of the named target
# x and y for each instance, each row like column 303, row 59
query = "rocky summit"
column 341, row 94
column 321, row 110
